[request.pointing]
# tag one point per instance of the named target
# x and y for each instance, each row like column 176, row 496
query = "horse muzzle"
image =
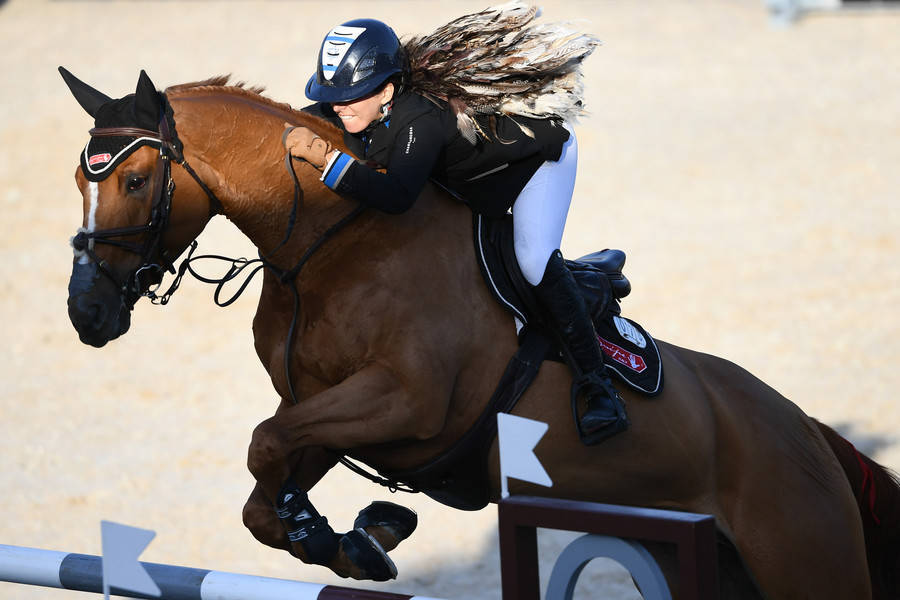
column 96, row 308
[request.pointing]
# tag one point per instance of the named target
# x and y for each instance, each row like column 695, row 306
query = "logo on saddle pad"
column 629, row 332
column 633, row 361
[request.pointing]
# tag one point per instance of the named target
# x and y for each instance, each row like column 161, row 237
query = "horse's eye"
column 136, row 182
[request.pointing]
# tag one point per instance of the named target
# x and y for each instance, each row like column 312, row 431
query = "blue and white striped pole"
column 83, row 572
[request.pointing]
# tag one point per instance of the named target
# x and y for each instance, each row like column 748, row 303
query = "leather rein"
column 131, row 287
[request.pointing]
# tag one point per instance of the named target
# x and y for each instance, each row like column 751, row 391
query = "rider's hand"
column 306, row 144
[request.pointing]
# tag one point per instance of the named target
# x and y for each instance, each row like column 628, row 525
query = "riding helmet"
column 355, row 59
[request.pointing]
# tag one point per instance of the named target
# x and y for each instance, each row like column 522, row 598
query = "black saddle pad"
column 631, row 352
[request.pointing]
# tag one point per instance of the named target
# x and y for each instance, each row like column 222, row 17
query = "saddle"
column 630, row 352
column 599, row 275
column 459, row 477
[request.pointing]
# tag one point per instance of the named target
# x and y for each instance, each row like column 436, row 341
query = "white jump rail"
column 83, row 572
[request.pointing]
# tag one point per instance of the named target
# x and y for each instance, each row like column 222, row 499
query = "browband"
column 123, row 132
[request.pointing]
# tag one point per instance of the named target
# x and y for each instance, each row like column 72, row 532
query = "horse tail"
column 877, row 492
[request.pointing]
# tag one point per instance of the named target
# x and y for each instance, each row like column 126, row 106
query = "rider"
column 359, row 85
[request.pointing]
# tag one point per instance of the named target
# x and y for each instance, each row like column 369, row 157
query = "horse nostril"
column 93, row 312
column 97, row 312
column 88, row 312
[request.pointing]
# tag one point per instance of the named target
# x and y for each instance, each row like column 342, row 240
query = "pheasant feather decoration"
column 499, row 61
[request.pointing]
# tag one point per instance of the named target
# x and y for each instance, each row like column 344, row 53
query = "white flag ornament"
column 517, row 437
column 122, row 545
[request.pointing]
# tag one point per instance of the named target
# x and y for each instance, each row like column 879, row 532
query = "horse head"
column 131, row 231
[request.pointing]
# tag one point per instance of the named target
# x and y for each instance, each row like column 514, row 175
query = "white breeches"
column 539, row 213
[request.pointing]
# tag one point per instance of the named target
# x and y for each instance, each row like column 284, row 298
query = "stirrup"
column 596, row 387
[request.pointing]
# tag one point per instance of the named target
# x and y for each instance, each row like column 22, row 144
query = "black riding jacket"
column 421, row 140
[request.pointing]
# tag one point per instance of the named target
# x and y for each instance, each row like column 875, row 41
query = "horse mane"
column 221, row 84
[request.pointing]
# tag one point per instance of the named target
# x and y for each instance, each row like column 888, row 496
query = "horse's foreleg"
column 260, row 519
column 259, row 513
column 369, row 407
column 349, row 555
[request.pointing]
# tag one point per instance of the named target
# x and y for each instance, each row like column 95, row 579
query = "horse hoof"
column 398, row 520
column 368, row 556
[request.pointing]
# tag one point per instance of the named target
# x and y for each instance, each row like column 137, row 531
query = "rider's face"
column 357, row 114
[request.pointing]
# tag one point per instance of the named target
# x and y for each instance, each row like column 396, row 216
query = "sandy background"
column 751, row 173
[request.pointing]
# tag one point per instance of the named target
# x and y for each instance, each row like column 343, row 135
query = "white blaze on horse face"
column 94, row 198
column 94, row 191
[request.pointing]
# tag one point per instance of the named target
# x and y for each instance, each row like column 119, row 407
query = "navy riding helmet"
column 355, row 59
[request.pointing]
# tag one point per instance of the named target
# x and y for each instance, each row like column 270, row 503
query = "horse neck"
column 232, row 138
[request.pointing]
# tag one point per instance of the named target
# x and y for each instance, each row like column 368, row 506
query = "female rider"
column 359, row 85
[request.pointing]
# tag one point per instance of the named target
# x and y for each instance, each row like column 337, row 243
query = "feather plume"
column 500, row 62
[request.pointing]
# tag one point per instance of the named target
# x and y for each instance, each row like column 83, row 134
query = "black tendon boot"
column 604, row 415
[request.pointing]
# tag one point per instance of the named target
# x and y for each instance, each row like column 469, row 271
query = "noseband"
column 133, row 287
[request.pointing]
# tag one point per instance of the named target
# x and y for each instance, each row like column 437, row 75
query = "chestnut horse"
column 397, row 344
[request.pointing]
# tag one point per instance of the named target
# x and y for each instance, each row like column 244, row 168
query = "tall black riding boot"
column 605, row 413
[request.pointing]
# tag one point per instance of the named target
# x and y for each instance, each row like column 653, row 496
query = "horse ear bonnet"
column 142, row 109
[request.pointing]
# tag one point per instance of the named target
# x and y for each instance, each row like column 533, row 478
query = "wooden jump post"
column 694, row 536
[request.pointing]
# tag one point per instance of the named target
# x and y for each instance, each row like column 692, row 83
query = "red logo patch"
column 100, row 158
column 622, row 356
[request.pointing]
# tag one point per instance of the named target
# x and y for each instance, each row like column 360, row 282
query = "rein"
column 289, row 276
column 159, row 219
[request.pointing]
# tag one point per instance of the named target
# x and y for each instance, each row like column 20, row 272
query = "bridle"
column 145, row 278
column 132, row 287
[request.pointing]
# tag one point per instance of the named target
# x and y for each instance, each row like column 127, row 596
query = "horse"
column 390, row 342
